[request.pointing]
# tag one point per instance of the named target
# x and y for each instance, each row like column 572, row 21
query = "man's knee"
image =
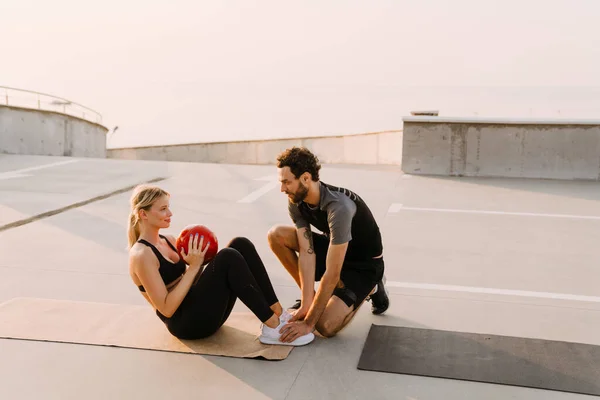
column 328, row 328
column 280, row 235
column 336, row 316
column 274, row 235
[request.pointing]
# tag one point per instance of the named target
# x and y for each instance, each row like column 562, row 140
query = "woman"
column 193, row 300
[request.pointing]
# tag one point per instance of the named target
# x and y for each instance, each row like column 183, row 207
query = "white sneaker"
column 285, row 316
column 272, row 335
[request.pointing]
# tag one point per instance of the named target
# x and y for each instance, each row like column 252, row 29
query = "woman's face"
column 159, row 214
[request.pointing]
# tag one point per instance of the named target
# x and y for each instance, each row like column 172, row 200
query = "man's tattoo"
column 308, row 236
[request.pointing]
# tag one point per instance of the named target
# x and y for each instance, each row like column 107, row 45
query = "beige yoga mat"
column 135, row 327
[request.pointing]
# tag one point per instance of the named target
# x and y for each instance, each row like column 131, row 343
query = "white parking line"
column 5, row 176
column 396, row 208
column 56, row 164
column 504, row 292
column 19, row 173
column 272, row 184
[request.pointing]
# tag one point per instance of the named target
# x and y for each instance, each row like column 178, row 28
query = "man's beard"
column 300, row 194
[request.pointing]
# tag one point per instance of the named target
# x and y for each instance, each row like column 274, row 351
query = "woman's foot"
column 272, row 335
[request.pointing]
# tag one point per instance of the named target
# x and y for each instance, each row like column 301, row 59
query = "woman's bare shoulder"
column 140, row 255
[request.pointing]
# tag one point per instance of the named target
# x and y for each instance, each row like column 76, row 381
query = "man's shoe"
column 380, row 301
column 296, row 305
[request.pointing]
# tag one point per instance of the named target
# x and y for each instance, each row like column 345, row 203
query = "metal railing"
column 47, row 102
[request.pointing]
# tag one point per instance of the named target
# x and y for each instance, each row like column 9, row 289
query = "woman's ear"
column 142, row 214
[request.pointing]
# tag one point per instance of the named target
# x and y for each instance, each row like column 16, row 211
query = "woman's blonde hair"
column 143, row 198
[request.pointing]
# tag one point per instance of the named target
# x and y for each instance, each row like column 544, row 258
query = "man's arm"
column 329, row 281
column 306, row 267
column 306, row 260
column 339, row 217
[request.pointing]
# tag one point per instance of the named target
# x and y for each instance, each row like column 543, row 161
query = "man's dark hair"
column 300, row 160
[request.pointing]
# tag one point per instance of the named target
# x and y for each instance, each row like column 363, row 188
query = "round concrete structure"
column 50, row 133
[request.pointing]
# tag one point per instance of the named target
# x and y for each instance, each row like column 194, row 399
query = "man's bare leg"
column 337, row 316
column 283, row 240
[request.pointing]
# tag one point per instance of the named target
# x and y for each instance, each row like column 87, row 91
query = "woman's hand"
column 195, row 256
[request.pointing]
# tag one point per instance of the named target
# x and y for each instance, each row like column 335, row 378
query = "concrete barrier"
column 369, row 148
column 40, row 132
column 552, row 149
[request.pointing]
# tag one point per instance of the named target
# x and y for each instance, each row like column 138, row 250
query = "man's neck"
column 313, row 198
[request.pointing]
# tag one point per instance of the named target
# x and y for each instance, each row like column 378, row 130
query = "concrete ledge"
column 369, row 148
column 503, row 121
column 48, row 133
column 549, row 149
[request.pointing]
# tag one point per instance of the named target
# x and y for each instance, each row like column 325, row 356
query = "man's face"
column 291, row 185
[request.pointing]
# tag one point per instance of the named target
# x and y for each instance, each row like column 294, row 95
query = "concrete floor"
column 451, row 265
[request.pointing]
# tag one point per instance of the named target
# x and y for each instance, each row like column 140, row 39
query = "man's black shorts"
column 358, row 277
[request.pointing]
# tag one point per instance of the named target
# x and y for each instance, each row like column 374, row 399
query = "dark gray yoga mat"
column 506, row 360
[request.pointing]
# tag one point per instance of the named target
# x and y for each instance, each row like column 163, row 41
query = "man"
column 347, row 258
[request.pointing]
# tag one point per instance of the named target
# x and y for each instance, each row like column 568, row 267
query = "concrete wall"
column 370, row 148
column 37, row 132
column 501, row 148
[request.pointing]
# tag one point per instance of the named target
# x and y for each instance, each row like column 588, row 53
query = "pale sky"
column 188, row 70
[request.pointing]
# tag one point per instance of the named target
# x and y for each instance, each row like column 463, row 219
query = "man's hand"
column 293, row 330
column 299, row 314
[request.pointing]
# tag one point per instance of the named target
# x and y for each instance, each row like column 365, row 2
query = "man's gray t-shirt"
column 342, row 216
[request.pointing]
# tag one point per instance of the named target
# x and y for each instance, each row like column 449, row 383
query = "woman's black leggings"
column 236, row 271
